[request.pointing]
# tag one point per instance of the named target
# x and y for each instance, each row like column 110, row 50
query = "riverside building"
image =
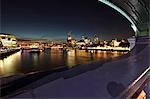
column 7, row 40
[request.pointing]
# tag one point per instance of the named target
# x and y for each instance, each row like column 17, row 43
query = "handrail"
column 135, row 86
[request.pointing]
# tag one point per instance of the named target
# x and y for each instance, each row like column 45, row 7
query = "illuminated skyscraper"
column 69, row 38
column 96, row 39
column 83, row 37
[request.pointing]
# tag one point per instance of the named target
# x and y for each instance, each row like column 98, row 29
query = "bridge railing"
column 137, row 88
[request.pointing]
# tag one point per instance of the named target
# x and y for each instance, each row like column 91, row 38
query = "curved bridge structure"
column 136, row 11
column 121, row 78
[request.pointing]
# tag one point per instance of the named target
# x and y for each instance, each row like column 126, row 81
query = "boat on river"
column 35, row 49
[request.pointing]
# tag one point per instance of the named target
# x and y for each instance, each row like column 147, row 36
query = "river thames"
column 24, row 62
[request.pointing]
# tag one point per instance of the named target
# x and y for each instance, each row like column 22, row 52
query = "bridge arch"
column 133, row 26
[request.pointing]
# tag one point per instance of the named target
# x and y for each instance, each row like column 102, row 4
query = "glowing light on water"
column 7, row 64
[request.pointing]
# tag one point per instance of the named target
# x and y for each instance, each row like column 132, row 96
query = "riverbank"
column 83, row 77
column 7, row 52
column 96, row 80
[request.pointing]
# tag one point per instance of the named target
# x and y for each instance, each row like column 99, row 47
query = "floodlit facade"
column 7, row 40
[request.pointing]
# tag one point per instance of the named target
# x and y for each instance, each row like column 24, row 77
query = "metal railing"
column 136, row 88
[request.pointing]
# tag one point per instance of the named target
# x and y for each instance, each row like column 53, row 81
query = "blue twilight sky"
column 53, row 19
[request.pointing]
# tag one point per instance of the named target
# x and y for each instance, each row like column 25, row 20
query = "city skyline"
column 54, row 19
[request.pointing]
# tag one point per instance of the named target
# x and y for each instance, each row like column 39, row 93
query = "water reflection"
column 8, row 65
column 1, row 66
column 35, row 59
column 25, row 62
column 71, row 58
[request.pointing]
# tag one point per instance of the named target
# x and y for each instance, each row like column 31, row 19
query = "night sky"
column 53, row 19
